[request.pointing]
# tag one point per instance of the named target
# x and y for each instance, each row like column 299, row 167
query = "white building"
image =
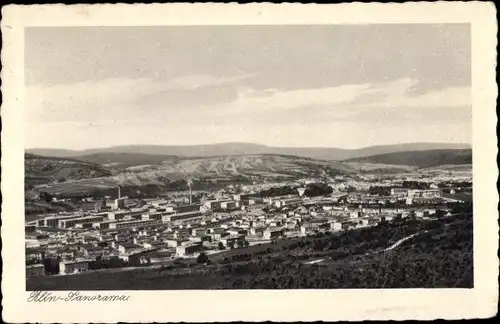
column 67, row 267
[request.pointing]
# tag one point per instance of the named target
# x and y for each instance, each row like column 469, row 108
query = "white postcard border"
column 255, row 305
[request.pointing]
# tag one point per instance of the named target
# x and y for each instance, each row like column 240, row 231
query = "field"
column 449, row 168
column 371, row 167
column 42, row 170
column 435, row 254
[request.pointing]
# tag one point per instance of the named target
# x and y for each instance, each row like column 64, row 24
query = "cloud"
column 346, row 100
column 222, row 109
column 282, row 101
column 118, row 98
column 399, row 94
column 197, row 81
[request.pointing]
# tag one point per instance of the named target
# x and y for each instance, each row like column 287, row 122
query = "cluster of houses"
column 163, row 230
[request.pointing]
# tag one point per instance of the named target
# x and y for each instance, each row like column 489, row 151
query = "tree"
column 221, row 246
column 317, row 189
column 202, row 258
column 351, row 189
column 230, row 244
column 45, row 196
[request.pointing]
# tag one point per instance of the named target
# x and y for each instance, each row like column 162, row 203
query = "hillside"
column 44, row 170
column 226, row 149
column 170, row 173
column 127, row 160
column 407, row 147
column 421, row 159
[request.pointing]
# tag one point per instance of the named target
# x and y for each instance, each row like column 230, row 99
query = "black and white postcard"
column 250, row 162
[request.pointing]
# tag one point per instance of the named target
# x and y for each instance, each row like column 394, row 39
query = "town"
column 121, row 232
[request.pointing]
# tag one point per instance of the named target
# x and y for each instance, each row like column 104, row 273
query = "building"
column 183, row 250
column 163, row 203
column 228, row 205
column 430, row 193
column 104, row 225
column 53, row 221
column 35, row 270
column 129, row 248
column 424, row 201
column 188, row 208
column 257, row 230
column 76, row 266
column 354, row 214
column 182, row 216
column 35, row 254
column 212, row 204
column 399, row 192
column 343, row 225
column 233, row 240
column 152, row 216
column 287, row 202
column 162, row 256
column 133, row 224
column 118, row 215
column 237, row 231
column 119, row 203
column 271, row 233
column 248, row 196
column 82, row 221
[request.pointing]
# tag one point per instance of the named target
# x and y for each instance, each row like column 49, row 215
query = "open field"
column 367, row 167
column 449, row 168
column 43, row 170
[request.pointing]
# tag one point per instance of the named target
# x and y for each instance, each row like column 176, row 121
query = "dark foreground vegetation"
column 440, row 255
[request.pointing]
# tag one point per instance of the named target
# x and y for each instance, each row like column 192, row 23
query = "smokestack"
column 119, row 191
column 189, row 182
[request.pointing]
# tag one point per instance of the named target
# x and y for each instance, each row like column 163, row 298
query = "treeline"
column 380, row 191
column 416, row 185
column 278, row 191
column 311, row 190
column 317, row 189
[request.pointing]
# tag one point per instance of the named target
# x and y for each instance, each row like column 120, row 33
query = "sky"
column 344, row 86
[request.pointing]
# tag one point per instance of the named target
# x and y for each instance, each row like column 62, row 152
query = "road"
column 393, row 246
column 401, row 241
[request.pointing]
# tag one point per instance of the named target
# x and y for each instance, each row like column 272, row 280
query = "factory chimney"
column 119, row 191
column 189, row 183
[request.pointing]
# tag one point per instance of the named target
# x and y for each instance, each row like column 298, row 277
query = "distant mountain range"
column 230, row 149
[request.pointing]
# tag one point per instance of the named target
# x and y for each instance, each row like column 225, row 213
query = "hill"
column 127, row 160
column 420, row 159
column 407, row 147
column 169, row 173
column 45, row 170
column 226, row 149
